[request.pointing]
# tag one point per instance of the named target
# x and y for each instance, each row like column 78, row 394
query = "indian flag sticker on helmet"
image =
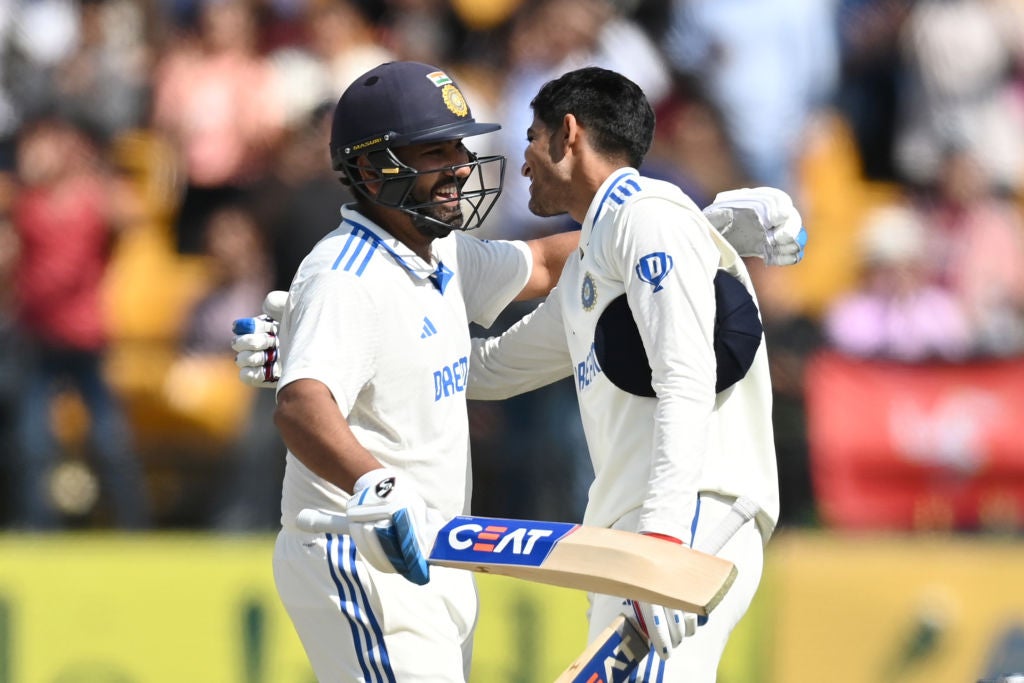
column 439, row 78
column 454, row 100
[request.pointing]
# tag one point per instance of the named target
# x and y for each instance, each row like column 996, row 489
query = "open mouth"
column 446, row 195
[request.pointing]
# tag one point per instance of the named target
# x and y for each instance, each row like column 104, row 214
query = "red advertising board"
column 899, row 446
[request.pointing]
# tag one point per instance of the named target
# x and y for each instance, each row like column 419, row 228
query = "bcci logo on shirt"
column 588, row 294
column 654, row 268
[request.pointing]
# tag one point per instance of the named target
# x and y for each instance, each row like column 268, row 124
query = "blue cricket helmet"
column 404, row 103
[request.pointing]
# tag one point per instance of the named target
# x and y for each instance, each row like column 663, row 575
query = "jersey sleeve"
column 492, row 272
column 329, row 334
column 530, row 354
column 667, row 261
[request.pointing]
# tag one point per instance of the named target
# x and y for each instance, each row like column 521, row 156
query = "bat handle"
column 743, row 510
column 317, row 522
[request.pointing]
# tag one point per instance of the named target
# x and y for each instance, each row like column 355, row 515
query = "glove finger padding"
column 787, row 242
column 760, row 222
column 261, row 376
column 274, row 304
column 392, row 545
column 256, row 342
column 402, row 547
column 664, row 627
column 391, row 525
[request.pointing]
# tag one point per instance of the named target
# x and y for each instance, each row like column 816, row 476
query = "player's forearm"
column 529, row 355
column 679, row 447
column 317, row 434
column 549, row 255
column 495, row 375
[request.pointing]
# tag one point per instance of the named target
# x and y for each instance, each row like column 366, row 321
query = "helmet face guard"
column 394, row 182
column 405, row 103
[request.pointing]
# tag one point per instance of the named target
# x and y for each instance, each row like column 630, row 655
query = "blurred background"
column 163, row 164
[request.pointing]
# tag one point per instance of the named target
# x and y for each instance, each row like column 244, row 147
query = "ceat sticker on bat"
column 499, row 541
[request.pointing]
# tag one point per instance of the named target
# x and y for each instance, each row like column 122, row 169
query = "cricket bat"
column 617, row 651
column 599, row 560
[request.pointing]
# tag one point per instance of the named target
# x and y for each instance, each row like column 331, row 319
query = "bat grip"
column 743, row 510
column 317, row 522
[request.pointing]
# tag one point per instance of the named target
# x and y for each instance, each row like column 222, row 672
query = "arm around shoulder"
column 549, row 256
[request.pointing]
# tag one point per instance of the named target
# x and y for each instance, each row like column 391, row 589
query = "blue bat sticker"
column 616, row 659
column 499, row 541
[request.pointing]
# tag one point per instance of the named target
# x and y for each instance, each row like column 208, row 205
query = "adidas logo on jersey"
column 428, row 329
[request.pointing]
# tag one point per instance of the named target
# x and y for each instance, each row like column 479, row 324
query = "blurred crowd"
column 163, row 164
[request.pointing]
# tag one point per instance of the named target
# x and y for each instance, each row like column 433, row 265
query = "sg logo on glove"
column 385, row 487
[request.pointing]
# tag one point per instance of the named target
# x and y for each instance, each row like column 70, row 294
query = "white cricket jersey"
column 387, row 333
column 651, row 456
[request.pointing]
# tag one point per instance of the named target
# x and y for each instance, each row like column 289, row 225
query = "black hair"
column 613, row 109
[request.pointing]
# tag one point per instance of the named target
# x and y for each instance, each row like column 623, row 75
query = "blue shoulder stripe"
column 620, row 189
column 360, row 240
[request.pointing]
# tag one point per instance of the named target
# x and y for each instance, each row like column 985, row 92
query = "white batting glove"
column 761, row 222
column 664, row 627
column 391, row 524
column 255, row 343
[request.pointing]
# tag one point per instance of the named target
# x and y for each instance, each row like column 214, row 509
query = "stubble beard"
column 449, row 213
column 451, row 216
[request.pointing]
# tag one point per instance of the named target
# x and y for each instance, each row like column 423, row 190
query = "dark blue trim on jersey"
column 615, row 185
column 362, row 236
column 701, row 619
column 441, row 276
column 352, row 593
column 693, row 524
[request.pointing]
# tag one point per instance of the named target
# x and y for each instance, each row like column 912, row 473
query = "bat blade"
column 610, row 658
column 612, row 654
column 608, row 561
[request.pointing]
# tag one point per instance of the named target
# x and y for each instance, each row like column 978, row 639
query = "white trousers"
column 696, row 659
column 359, row 624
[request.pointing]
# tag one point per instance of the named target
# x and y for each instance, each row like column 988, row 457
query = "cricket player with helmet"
column 372, row 365
column 371, row 403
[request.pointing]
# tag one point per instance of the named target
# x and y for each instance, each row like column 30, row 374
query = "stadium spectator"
column 62, row 219
column 870, row 72
column 978, row 246
column 213, row 96
column 202, row 381
column 899, row 311
column 768, row 66
column 692, row 147
column 958, row 57
column 547, row 39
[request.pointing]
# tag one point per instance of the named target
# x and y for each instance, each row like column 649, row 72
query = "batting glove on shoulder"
column 664, row 627
column 256, row 345
column 391, row 524
column 761, row 222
